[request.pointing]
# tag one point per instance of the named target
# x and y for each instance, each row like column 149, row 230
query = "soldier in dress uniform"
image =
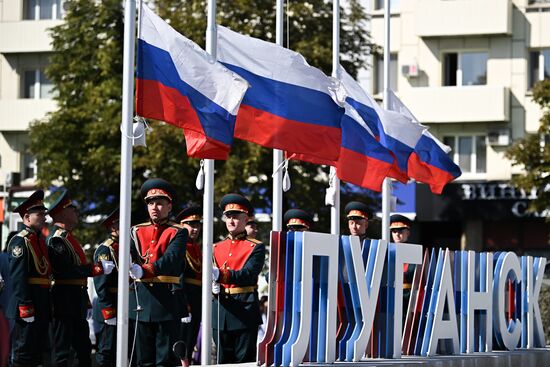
column 158, row 252
column 238, row 262
column 71, row 269
column 30, row 272
column 298, row 220
column 400, row 229
column 106, row 288
column 358, row 215
column 252, row 228
column 191, row 219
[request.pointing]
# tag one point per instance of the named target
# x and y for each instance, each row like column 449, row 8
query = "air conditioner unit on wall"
column 410, row 70
column 498, row 137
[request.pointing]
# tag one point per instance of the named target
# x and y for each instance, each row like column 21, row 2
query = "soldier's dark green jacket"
column 160, row 247
column 240, row 260
column 106, row 285
column 29, row 262
column 69, row 266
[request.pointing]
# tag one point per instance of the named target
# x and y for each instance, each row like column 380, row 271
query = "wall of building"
column 422, row 32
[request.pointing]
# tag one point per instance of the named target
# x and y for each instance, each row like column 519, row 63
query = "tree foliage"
column 532, row 153
column 78, row 146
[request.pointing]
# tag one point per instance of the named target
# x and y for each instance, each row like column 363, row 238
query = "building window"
column 28, row 169
column 43, row 9
column 465, row 68
column 469, row 152
column 379, row 73
column 379, row 5
column 539, row 66
column 36, row 85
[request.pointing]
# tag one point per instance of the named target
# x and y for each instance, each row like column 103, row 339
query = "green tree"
column 532, row 153
column 78, row 146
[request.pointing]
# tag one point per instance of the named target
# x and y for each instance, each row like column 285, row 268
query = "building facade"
column 25, row 91
column 465, row 68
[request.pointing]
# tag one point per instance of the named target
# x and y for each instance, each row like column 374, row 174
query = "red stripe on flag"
column 273, row 131
column 435, row 177
column 157, row 101
column 362, row 170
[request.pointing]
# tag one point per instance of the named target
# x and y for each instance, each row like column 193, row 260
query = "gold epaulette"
column 144, row 224
column 24, row 233
column 175, row 224
column 254, row 240
column 109, row 242
column 60, row 232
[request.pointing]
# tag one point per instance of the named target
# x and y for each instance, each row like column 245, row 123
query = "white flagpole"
column 386, row 187
column 277, row 224
column 125, row 181
column 335, row 209
column 208, row 215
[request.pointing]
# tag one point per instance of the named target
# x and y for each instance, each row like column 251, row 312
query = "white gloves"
column 215, row 274
column 186, row 320
column 111, row 322
column 108, row 266
column 28, row 319
column 89, row 313
column 136, row 272
column 215, row 288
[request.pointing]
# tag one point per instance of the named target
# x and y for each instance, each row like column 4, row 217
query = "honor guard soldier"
column 158, row 250
column 298, row 220
column 30, row 272
column 191, row 219
column 106, row 288
column 71, row 305
column 358, row 215
column 400, row 229
column 238, row 262
column 252, row 228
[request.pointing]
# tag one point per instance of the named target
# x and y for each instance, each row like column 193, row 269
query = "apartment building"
column 25, row 91
column 465, row 68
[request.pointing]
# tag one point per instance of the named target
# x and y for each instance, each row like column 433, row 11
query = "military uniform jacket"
column 29, row 263
column 106, row 285
column 70, row 270
column 162, row 247
column 192, row 276
column 240, row 260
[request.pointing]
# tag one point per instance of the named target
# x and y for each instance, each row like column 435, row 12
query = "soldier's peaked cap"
column 157, row 187
column 35, row 202
column 63, row 201
column 235, row 203
column 357, row 209
column 189, row 214
column 111, row 219
column 400, row 221
column 298, row 217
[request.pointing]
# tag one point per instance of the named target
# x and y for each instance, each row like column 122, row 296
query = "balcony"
column 440, row 18
column 16, row 114
column 533, row 114
column 26, row 36
column 458, row 104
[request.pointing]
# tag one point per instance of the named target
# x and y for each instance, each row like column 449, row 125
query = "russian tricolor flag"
column 363, row 160
column 396, row 132
column 290, row 104
column 179, row 83
column 430, row 162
